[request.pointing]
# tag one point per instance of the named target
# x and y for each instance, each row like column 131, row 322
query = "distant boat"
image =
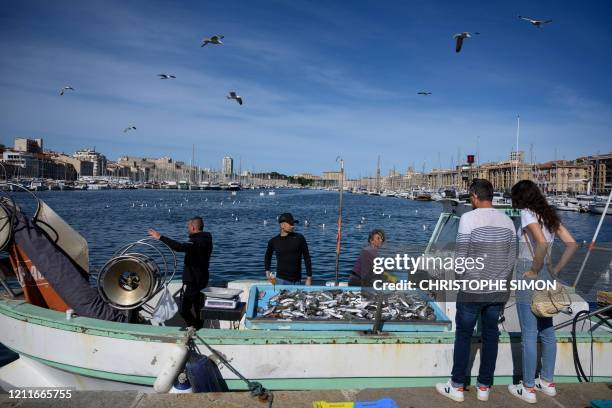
column 233, row 186
column 170, row 185
column 183, row 185
column 98, row 186
column 272, row 192
column 598, row 206
column 65, row 186
column 37, row 185
column 423, row 197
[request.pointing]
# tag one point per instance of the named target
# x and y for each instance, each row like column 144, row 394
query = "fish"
column 344, row 305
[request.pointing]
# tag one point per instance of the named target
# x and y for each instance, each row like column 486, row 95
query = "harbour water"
column 242, row 224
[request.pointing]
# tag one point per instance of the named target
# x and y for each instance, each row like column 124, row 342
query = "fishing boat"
column 58, row 350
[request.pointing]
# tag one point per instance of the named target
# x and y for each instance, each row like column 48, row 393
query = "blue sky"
column 319, row 79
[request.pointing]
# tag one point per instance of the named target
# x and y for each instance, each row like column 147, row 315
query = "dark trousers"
column 191, row 303
column 465, row 321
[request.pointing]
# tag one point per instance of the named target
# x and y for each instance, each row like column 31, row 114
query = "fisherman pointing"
column 289, row 248
column 195, row 272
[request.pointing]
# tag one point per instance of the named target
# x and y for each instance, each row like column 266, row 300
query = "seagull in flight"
column 424, row 93
column 166, row 76
column 66, row 88
column 460, row 36
column 234, row 96
column 215, row 39
column 537, row 23
column 127, row 129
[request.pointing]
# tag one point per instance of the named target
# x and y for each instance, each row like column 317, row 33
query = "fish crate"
column 259, row 301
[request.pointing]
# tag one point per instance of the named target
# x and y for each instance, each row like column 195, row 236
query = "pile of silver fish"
column 344, row 305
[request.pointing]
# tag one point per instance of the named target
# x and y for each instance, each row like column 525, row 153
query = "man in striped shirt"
column 489, row 234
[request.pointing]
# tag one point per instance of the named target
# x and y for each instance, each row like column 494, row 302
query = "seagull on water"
column 215, row 39
column 459, row 39
column 166, row 76
column 66, row 88
column 424, row 93
column 537, row 23
column 234, row 96
column 127, row 129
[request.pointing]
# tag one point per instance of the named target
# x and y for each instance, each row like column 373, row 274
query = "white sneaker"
column 546, row 387
column 519, row 391
column 483, row 393
column 447, row 389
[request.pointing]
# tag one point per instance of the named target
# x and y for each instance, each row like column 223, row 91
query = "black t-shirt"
column 289, row 251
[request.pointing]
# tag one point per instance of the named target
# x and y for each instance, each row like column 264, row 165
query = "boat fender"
column 171, row 369
column 182, row 385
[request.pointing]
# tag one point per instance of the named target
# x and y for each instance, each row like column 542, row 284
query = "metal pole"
column 518, row 128
column 587, row 316
column 592, row 244
column 339, row 237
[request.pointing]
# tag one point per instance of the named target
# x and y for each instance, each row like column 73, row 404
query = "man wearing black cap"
column 289, row 247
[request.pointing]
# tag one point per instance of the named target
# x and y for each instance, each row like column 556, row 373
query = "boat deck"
column 570, row 395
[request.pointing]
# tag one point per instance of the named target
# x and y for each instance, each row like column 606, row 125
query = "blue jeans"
column 465, row 321
column 281, row 281
column 531, row 326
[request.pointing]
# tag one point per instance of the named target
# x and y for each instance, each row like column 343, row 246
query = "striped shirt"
column 489, row 234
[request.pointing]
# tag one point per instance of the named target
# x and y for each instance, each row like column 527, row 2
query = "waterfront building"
column 563, row 176
column 28, row 145
column 600, row 172
column 83, row 168
column 228, row 167
column 36, row 165
column 99, row 160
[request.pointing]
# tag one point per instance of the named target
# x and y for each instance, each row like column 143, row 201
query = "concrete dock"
column 570, row 396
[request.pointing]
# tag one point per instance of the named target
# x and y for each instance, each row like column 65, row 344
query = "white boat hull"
column 124, row 356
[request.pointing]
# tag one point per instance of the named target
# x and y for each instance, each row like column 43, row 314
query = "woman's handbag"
column 548, row 302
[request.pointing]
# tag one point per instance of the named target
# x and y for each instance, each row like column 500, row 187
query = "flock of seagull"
column 215, row 40
column 459, row 37
column 232, row 95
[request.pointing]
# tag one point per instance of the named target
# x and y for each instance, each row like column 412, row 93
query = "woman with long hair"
column 539, row 226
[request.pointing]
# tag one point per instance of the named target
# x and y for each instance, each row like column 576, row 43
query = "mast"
column 518, row 127
column 339, row 236
column 378, row 175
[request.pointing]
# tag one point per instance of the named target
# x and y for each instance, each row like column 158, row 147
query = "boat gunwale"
column 26, row 312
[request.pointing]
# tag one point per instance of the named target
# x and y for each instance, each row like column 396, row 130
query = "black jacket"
column 289, row 251
column 197, row 257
